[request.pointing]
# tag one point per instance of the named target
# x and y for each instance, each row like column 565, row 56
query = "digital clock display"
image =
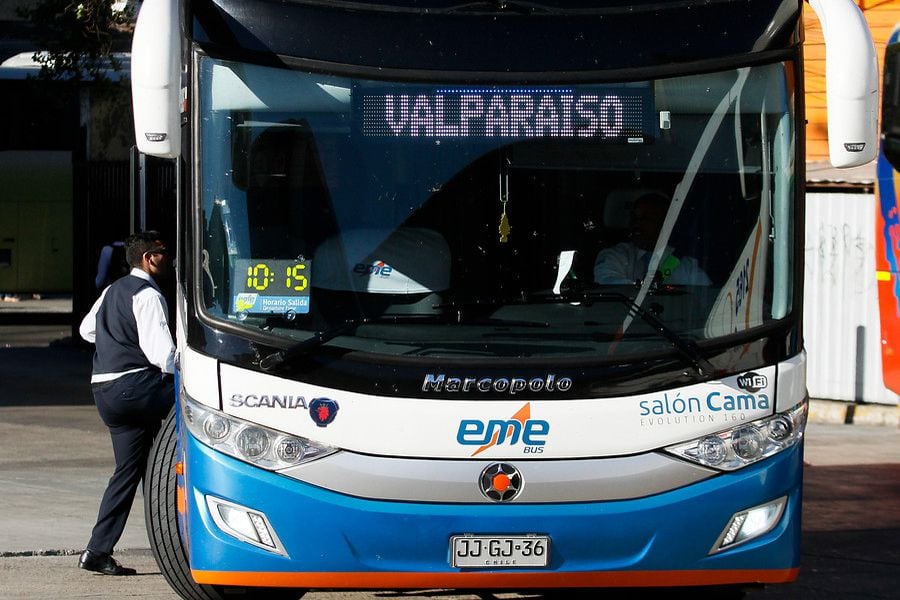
column 271, row 286
column 608, row 113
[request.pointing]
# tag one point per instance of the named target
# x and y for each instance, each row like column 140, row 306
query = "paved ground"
column 851, row 522
column 60, row 453
column 55, row 452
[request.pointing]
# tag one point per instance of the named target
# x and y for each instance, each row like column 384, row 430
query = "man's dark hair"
column 139, row 243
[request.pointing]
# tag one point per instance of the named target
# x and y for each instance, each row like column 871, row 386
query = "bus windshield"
column 495, row 220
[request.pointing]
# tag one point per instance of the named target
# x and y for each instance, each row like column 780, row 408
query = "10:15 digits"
column 259, row 276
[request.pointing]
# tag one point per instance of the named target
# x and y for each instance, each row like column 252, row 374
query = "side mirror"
column 890, row 101
column 851, row 81
column 156, row 78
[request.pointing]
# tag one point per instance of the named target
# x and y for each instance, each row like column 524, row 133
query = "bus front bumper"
column 331, row 540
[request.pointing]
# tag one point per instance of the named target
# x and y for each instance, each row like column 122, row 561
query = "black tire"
column 161, row 514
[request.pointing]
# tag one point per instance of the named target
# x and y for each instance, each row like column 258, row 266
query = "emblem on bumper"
column 500, row 482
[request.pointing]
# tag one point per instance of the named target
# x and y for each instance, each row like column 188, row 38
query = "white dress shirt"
column 151, row 315
column 624, row 263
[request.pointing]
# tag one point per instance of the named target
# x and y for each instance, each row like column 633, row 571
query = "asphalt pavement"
column 55, row 458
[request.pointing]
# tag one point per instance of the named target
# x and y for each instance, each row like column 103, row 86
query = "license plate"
column 499, row 551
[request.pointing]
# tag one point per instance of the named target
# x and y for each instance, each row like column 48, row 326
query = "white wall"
column 841, row 300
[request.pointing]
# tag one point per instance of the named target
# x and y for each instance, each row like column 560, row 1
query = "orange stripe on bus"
column 180, row 500
column 556, row 579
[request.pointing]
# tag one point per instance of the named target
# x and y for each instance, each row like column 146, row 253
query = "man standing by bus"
column 132, row 383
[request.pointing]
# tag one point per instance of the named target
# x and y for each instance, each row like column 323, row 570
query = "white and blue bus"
column 402, row 363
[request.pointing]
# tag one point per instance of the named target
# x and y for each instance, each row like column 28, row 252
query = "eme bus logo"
column 378, row 269
column 518, row 429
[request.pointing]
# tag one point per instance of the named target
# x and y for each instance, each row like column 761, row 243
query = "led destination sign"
column 609, row 113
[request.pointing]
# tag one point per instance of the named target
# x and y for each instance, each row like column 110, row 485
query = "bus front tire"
column 161, row 515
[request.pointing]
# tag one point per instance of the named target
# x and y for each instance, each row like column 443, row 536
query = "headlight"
column 249, row 442
column 747, row 443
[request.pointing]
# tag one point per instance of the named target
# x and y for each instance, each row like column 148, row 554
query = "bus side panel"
column 887, row 267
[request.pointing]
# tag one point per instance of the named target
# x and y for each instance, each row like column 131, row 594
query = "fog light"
column 749, row 524
column 245, row 524
column 238, row 521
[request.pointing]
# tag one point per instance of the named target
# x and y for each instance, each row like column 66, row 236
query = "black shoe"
column 102, row 563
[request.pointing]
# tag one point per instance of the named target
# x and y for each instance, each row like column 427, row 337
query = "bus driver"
column 627, row 262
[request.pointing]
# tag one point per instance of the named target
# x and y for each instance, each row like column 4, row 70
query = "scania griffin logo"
column 500, row 482
column 323, row 411
column 440, row 382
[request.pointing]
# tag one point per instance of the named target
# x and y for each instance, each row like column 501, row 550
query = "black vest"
column 117, row 333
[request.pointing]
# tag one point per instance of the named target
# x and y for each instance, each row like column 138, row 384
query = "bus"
column 887, row 217
column 402, row 362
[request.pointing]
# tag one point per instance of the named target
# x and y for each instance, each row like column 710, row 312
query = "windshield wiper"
column 314, row 341
column 686, row 348
column 323, row 336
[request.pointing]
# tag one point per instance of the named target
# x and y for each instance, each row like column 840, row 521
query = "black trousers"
column 133, row 407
